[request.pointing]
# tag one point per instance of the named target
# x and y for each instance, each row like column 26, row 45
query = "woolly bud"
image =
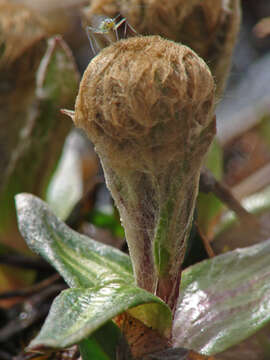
column 20, row 30
column 209, row 27
column 147, row 105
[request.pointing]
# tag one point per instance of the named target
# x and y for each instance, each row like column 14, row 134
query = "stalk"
column 147, row 105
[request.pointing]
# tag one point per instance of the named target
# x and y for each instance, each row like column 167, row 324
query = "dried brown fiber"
column 209, row 27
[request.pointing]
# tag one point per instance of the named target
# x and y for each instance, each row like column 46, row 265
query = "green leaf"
column 106, row 221
column 208, row 205
column 77, row 313
column 35, row 143
column 224, row 300
column 101, row 274
column 214, row 159
column 66, row 186
column 81, row 261
column 264, row 128
column 90, row 349
column 106, row 338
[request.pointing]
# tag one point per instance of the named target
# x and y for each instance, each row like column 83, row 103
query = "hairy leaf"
column 81, row 261
column 100, row 275
column 224, row 300
column 77, row 313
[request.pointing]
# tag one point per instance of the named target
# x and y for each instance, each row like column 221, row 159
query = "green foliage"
column 100, row 276
column 102, row 344
column 77, row 313
column 106, row 221
column 264, row 129
column 40, row 130
column 222, row 300
column 207, row 204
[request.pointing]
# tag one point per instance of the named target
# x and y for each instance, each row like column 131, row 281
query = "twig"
column 31, row 289
column 25, row 262
column 48, row 292
column 5, row 356
column 53, row 43
column 206, row 243
column 208, row 183
column 85, row 204
column 33, row 309
column 24, row 356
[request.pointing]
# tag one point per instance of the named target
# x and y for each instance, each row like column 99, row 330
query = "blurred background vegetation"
column 42, row 154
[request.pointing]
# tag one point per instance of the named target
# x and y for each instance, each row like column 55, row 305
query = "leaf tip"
column 22, row 201
column 69, row 113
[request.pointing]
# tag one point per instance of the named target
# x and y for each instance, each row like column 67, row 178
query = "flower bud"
column 147, row 105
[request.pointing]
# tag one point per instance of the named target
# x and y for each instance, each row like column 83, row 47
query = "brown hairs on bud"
column 138, row 93
column 147, row 105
